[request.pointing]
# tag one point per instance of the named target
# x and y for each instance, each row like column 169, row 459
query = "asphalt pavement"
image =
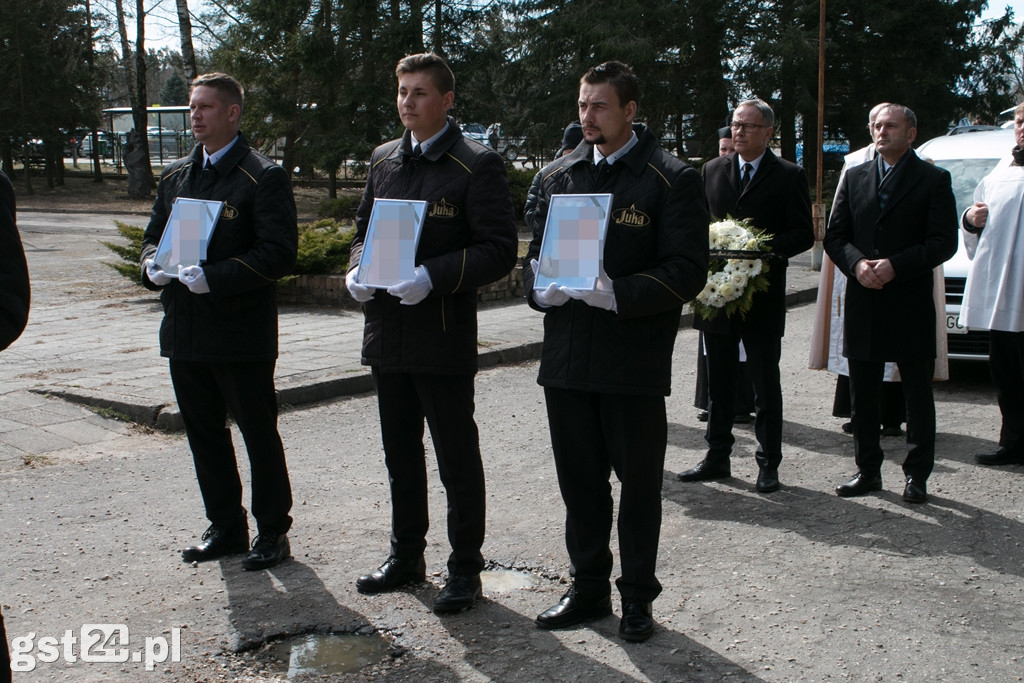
column 798, row 585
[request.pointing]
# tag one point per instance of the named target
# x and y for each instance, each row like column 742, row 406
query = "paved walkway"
column 105, row 355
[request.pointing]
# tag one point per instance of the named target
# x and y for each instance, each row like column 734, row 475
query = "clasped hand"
column 874, row 274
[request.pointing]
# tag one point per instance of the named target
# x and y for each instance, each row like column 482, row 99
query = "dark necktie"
column 417, row 151
column 884, row 187
column 598, row 168
column 207, row 176
column 748, row 170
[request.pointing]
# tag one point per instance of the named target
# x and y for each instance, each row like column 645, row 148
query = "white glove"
column 546, row 297
column 155, row 273
column 194, row 278
column 413, row 291
column 601, row 296
column 552, row 296
column 593, row 297
column 360, row 293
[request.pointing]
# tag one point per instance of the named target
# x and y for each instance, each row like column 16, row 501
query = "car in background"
column 476, row 132
column 968, row 157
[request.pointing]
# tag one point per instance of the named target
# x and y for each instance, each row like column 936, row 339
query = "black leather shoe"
column 637, row 624
column 267, row 550
column 575, row 608
column 742, row 419
column 460, row 593
column 892, row 431
column 859, row 485
column 767, row 480
column 915, row 491
column 705, row 471
column 218, row 541
column 393, row 574
column 1000, row 456
column 847, row 428
column 702, row 416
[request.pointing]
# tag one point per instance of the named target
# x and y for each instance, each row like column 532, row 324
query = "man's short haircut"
column 767, row 115
column 902, row 110
column 873, row 114
column 621, row 78
column 226, row 86
column 1017, row 112
column 440, row 74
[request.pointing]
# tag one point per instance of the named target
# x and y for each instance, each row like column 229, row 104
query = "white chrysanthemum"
column 716, row 301
column 753, row 267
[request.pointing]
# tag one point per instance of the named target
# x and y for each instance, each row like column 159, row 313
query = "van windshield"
column 967, row 173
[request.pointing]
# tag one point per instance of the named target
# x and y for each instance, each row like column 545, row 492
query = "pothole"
column 505, row 580
column 325, row 653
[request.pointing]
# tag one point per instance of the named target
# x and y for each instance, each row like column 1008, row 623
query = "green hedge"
column 324, row 247
column 519, row 184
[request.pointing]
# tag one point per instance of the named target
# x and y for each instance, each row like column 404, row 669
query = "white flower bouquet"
column 737, row 269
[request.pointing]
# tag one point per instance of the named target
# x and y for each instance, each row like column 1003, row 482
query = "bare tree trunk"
column 136, row 157
column 188, row 54
column 97, row 171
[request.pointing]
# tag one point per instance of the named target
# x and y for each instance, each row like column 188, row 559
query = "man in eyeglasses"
column 752, row 183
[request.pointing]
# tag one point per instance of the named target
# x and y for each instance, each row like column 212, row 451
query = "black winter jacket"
column 14, row 285
column 656, row 254
column 469, row 240
column 255, row 243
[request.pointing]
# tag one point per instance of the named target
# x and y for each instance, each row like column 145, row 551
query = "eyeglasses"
column 747, row 127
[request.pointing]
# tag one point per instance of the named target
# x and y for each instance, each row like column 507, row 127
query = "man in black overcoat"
column 894, row 220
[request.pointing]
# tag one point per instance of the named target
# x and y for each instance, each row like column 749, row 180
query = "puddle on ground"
column 325, row 653
column 503, row 580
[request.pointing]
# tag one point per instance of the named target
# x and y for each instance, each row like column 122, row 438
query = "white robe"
column 994, row 296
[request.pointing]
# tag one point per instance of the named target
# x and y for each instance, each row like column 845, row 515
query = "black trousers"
column 744, row 387
column 1006, row 362
column 5, row 654
column 763, row 355
column 866, row 387
column 893, row 407
column 592, row 434
column 447, row 404
column 206, row 392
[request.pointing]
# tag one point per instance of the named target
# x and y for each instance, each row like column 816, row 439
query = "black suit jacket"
column 916, row 231
column 777, row 201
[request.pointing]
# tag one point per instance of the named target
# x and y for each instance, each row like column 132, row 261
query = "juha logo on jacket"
column 631, row 217
column 442, row 209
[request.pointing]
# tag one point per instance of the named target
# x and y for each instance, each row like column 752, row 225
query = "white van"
column 968, row 158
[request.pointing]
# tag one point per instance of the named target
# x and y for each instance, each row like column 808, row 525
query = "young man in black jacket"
column 606, row 362
column 420, row 335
